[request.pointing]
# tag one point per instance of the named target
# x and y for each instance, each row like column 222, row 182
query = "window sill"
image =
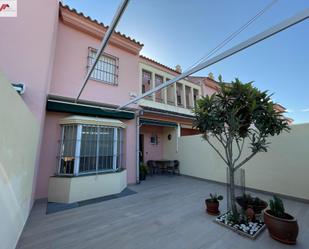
column 104, row 82
column 89, row 174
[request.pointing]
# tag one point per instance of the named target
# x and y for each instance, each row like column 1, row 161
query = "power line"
column 231, row 51
column 234, row 34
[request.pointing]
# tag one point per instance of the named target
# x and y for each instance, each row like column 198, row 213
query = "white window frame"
column 116, row 153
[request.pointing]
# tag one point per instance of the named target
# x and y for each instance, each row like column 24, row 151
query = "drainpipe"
column 178, row 131
column 139, row 113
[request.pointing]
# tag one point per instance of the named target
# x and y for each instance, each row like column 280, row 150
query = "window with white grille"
column 90, row 149
column 106, row 69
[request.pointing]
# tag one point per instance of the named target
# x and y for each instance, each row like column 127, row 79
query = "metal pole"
column 137, row 148
column 243, row 45
column 104, row 42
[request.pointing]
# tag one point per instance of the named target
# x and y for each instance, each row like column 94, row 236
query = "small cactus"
column 216, row 198
column 277, row 207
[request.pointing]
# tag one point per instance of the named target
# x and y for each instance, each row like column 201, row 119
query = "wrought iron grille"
column 106, row 69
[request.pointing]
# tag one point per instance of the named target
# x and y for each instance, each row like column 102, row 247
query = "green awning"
column 157, row 123
column 82, row 109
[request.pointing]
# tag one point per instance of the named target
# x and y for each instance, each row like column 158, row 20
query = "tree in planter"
column 238, row 113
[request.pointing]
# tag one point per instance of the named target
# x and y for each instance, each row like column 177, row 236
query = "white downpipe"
column 137, row 148
column 178, row 131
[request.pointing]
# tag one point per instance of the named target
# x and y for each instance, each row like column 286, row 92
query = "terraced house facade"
column 89, row 148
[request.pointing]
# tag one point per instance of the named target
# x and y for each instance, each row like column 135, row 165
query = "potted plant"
column 212, row 204
column 142, row 172
column 247, row 201
column 281, row 226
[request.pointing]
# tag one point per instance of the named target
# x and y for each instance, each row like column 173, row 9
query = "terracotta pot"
column 250, row 214
column 256, row 208
column 284, row 230
column 212, row 208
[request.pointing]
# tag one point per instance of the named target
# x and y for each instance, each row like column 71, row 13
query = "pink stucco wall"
column 206, row 90
column 152, row 151
column 130, row 150
column 51, row 58
column 50, row 151
column 70, row 69
column 27, row 46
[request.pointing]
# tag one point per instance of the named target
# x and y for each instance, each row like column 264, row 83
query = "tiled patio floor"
column 166, row 213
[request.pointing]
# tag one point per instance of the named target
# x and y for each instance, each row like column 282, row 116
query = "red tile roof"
column 81, row 14
column 158, row 63
column 168, row 68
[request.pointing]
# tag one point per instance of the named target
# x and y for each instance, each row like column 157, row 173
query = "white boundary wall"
column 284, row 169
column 19, row 133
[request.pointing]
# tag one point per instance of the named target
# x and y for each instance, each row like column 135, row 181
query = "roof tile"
column 99, row 23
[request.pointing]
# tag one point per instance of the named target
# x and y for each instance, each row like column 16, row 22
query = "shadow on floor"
column 54, row 207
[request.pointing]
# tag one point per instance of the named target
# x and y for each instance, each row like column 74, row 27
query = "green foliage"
column 277, row 207
column 238, row 112
column 234, row 217
column 143, row 169
column 254, row 201
column 215, row 198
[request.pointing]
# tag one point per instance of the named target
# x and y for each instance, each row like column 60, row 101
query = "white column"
column 77, row 149
column 61, row 149
column 184, row 96
column 115, row 149
column 175, row 94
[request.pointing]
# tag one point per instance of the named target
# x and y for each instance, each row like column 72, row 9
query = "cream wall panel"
column 18, row 145
column 74, row 189
column 284, row 169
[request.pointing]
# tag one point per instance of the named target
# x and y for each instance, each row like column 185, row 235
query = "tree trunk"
column 232, row 190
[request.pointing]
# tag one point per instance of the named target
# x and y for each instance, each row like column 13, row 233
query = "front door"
column 141, row 148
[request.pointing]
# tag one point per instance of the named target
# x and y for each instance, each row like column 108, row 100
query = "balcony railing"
column 171, row 102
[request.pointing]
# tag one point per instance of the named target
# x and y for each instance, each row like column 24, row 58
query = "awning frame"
column 158, row 123
column 88, row 110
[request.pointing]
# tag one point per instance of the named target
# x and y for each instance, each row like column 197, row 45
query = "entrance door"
column 141, row 148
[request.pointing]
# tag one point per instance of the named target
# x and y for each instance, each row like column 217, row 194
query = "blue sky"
column 182, row 31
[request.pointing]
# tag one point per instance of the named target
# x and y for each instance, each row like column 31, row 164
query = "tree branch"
column 220, row 140
column 240, row 149
column 246, row 160
column 218, row 152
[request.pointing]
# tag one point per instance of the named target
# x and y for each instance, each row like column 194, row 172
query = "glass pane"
column 188, row 97
column 105, row 69
column 170, row 94
column 67, row 153
column 146, row 83
column 159, row 94
column 179, row 94
column 88, row 149
column 106, row 148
